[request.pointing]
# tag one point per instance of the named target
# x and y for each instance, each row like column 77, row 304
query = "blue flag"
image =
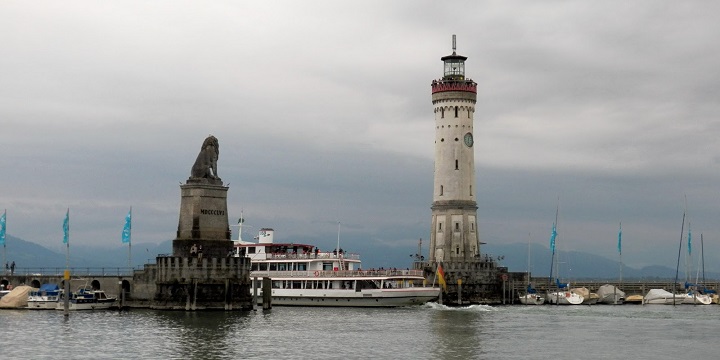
column 66, row 227
column 689, row 242
column 2, row 228
column 127, row 228
column 553, row 235
column 620, row 240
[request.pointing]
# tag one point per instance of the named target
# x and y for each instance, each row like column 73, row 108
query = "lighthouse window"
column 442, row 113
column 457, row 226
column 456, row 165
column 456, row 111
column 471, row 190
column 441, row 190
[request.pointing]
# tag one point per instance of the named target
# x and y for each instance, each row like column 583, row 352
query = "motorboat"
column 44, row 298
column 610, row 294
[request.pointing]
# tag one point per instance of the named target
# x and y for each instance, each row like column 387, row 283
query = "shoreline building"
column 454, row 237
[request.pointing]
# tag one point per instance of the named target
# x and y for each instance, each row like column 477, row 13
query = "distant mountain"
column 576, row 264
column 27, row 254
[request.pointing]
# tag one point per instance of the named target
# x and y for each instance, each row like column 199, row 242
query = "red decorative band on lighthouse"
column 454, row 85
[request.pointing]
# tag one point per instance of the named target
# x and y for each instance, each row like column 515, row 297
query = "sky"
column 604, row 111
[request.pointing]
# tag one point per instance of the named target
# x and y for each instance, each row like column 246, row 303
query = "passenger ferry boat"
column 302, row 275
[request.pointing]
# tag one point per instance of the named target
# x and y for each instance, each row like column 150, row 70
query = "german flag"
column 441, row 277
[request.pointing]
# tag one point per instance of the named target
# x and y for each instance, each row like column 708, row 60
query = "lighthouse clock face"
column 468, row 140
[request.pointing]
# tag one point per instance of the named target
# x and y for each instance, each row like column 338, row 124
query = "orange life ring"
column 317, row 273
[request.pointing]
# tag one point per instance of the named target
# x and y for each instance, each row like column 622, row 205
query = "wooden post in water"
column 267, row 293
column 459, row 282
column 440, row 301
column 255, row 296
column 66, row 295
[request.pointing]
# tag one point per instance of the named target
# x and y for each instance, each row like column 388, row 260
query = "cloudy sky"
column 323, row 113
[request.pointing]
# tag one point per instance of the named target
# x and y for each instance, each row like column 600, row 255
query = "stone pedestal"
column 203, row 219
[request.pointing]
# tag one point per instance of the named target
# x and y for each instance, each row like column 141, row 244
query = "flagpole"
column 4, row 231
column 130, row 242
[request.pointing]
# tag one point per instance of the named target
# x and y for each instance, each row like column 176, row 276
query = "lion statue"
column 206, row 163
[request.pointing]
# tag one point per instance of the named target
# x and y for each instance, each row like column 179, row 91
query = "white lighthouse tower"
column 454, row 235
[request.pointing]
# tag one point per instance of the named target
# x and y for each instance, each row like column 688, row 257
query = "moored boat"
column 634, row 299
column 564, row 298
column 302, row 275
column 44, row 298
column 610, row 294
column 87, row 299
column 663, row 297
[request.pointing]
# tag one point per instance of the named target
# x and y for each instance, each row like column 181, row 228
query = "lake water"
column 423, row 332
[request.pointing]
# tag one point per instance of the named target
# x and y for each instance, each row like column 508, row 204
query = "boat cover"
column 609, row 290
column 658, row 294
column 16, row 298
column 49, row 287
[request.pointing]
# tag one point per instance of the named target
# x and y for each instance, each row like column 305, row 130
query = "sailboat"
column 662, row 296
column 531, row 296
column 562, row 294
column 693, row 295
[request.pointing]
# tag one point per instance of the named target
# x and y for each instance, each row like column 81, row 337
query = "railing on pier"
column 74, row 271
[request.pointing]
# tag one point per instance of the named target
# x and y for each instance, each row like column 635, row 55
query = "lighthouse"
column 454, row 239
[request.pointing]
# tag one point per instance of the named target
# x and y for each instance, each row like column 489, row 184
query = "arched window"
column 442, row 113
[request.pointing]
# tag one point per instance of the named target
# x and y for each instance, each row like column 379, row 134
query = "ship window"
column 263, row 267
column 327, row 266
column 302, row 266
column 251, row 250
column 273, row 266
column 282, row 267
column 254, row 267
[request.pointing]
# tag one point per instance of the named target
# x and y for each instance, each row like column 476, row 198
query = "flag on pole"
column 441, row 277
column 3, row 219
column 620, row 239
column 553, row 235
column 66, row 227
column 127, row 228
column 689, row 241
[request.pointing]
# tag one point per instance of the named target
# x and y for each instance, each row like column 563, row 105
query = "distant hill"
column 27, row 254
column 576, row 264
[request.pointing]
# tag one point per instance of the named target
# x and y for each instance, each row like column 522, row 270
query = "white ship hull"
column 351, row 298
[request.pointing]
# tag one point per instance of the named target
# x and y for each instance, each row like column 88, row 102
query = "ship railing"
column 337, row 273
column 312, row 255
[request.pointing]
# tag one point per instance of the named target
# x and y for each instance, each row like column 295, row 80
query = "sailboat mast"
column 677, row 268
column 620, row 253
